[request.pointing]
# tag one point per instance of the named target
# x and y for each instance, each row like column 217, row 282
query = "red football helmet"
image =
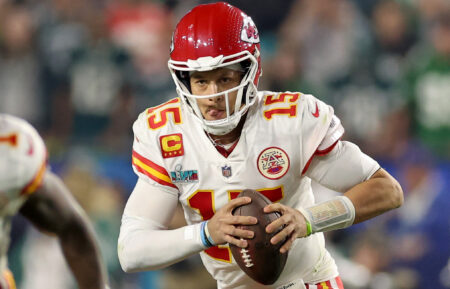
column 211, row 36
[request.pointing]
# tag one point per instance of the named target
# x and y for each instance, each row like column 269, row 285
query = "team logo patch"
column 249, row 32
column 226, row 171
column 180, row 176
column 273, row 163
column 171, row 145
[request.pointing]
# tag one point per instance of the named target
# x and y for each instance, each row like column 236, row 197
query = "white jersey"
column 22, row 165
column 281, row 134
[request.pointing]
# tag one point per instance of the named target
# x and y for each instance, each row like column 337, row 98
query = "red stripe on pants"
column 338, row 280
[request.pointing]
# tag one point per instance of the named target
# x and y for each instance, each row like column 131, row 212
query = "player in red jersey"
column 221, row 136
column 29, row 188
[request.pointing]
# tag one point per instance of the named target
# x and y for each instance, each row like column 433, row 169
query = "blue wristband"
column 205, row 240
column 208, row 235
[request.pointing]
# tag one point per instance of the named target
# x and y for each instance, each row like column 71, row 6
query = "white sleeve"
column 334, row 133
column 145, row 243
column 315, row 125
column 342, row 168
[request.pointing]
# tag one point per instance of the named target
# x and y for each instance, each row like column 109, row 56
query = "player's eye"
column 201, row 82
column 226, row 80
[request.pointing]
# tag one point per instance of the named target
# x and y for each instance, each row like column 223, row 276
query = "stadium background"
column 81, row 71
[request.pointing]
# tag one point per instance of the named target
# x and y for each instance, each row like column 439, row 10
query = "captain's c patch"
column 171, row 145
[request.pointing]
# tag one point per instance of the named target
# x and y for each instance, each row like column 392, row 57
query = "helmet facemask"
column 246, row 90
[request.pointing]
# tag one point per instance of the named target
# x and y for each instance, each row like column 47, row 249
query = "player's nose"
column 213, row 88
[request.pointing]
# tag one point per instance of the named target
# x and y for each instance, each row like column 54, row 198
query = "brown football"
column 261, row 260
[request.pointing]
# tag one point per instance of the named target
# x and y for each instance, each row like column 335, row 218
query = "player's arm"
column 370, row 189
column 368, row 192
column 52, row 209
column 145, row 241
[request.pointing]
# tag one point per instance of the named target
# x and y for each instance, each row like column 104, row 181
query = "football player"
column 28, row 187
column 221, row 136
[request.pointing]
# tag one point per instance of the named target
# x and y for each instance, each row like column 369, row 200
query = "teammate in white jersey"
column 221, row 136
column 28, row 187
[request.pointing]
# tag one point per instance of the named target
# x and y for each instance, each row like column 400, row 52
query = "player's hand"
column 223, row 225
column 294, row 225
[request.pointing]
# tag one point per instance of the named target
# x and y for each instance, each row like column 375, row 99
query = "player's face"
column 212, row 82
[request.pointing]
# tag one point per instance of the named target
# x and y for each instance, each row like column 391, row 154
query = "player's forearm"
column 144, row 245
column 83, row 255
column 375, row 196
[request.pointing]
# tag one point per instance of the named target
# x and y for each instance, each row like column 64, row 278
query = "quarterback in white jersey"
column 26, row 186
column 222, row 136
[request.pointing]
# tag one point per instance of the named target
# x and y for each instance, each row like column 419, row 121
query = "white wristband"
column 337, row 213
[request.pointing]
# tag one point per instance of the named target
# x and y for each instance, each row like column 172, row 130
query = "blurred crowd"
column 81, row 71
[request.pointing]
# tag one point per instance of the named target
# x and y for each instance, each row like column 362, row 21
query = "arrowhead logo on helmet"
column 249, row 31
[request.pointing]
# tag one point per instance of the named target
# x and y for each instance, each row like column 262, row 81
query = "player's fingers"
column 239, row 220
column 241, row 242
column 237, row 202
column 275, row 225
column 244, row 220
column 238, row 232
column 288, row 244
column 274, row 207
column 283, row 234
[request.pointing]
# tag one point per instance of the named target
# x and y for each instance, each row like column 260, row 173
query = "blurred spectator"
column 391, row 142
column 117, row 136
column 393, row 38
column 97, row 75
column 324, row 50
column 428, row 11
column 143, row 28
column 328, row 38
column 84, row 73
column 20, row 88
column 370, row 95
column 428, row 87
column 369, row 251
column 61, row 32
column 419, row 233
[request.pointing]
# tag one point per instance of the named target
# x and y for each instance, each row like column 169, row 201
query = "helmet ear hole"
column 184, row 77
column 246, row 65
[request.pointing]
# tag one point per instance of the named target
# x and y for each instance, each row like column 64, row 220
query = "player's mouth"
column 215, row 114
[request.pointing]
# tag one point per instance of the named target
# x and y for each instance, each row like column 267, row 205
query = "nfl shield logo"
column 226, row 171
